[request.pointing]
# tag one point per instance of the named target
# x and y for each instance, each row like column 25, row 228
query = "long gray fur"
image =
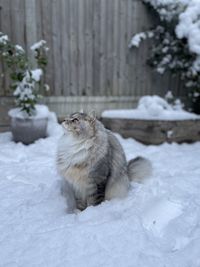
column 92, row 161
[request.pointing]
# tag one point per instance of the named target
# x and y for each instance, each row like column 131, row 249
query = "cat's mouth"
column 66, row 127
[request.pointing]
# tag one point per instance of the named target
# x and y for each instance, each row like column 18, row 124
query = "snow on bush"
column 154, row 108
column 3, row 39
column 177, row 41
column 36, row 74
column 38, row 45
column 136, row 40
column 26, row 93
column 26, row 81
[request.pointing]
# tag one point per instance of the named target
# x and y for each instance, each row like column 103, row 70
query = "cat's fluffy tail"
column 139, row 168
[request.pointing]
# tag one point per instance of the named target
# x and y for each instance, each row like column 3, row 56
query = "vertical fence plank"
column 73, row 47
column 103, row 40
column 30, row 23
column 123, row 48
column 109, row 52
column 81, row 48
column 96, row 48
column 39, row 16
column 17, row 11
column 129, row 54
column 116, row 48
column 88, row 45
column 46, row 34
column 57, row 46
column 65, row 67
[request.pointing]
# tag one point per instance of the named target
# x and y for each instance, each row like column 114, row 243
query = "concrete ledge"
column 155, row 131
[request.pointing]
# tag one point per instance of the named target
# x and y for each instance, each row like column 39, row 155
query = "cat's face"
column 80, row 125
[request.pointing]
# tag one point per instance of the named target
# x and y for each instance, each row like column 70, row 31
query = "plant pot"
column 28, row 130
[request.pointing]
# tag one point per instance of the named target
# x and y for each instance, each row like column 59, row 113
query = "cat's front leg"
column 83, row 204
column 97, row 194
column 80, row 204
column 91, row 194
column 92, row 200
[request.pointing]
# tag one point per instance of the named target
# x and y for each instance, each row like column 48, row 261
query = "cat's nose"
column 65, row 121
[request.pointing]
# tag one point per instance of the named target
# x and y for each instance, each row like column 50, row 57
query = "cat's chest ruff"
column 73, row 152
column 76, row 175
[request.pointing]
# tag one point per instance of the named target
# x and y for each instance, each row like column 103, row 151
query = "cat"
column 91, row 159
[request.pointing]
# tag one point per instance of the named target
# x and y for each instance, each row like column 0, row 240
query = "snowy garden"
column 158, row 222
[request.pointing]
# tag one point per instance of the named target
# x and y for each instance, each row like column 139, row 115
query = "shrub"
column 26, row 82
column 176, row 45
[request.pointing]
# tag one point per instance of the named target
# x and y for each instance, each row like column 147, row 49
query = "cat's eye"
column 74, row 120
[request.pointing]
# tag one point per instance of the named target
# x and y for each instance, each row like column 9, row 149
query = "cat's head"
column 80, row 125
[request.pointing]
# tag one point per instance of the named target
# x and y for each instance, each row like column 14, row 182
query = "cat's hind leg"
column 117, row 188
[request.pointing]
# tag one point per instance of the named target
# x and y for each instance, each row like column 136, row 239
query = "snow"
column 38, row 45
column 3, row 38
column 157, row 224
column 152, row 108
column 36, row 74
column 188, row 25
column 19, row 48
column 137, row 38
column 159, row 213
column 41, row 111
column 135, row 41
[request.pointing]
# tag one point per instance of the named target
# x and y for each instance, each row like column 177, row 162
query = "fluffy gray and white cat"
column 91, row 159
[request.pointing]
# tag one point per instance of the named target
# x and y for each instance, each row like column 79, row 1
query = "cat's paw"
column 77, row 211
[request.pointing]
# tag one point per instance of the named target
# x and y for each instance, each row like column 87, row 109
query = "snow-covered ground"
column 157, row 225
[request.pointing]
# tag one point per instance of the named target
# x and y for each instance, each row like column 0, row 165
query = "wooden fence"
column 90, row 63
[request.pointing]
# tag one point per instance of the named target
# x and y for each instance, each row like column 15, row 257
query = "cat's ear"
column 92, row 115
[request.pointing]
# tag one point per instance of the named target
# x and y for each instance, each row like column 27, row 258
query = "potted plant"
column 28, row 119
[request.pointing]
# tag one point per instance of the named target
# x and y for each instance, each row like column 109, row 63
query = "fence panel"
column 89, row 54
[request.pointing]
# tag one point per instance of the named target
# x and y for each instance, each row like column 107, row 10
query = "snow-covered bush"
column 176, row 44
column 26, row 81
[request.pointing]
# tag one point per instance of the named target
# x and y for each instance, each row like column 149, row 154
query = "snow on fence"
column 89, row 54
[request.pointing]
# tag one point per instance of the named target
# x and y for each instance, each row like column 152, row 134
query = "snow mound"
column 152, row 108
column 41, row 111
